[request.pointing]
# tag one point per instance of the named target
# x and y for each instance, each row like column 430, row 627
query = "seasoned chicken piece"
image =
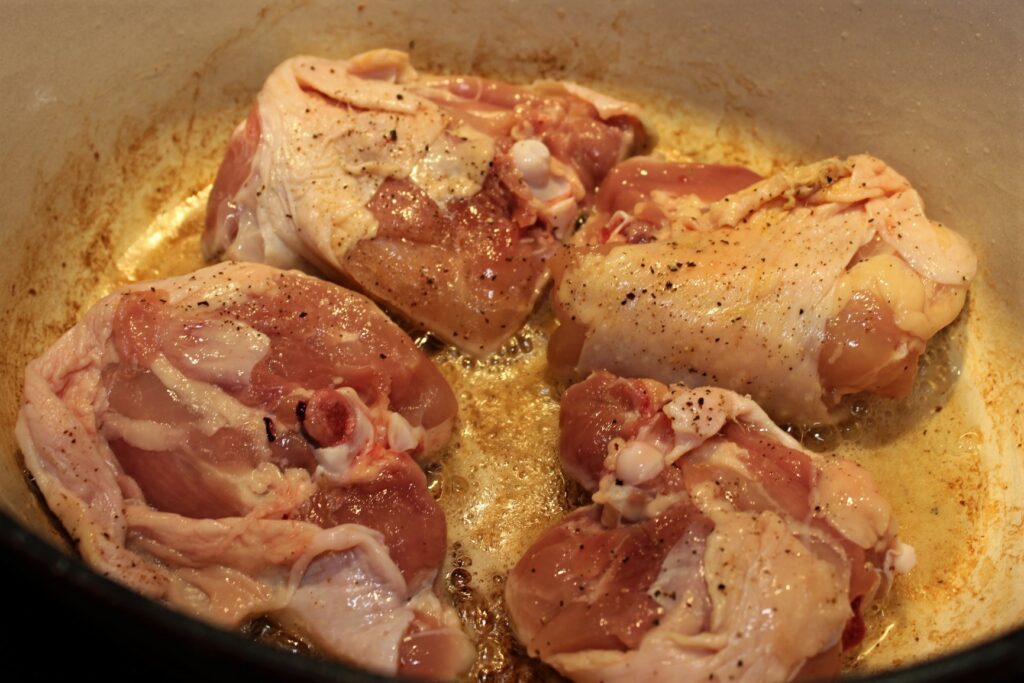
column 799, row 289
column 442, row 198
column 716, row 548
column 239, row 442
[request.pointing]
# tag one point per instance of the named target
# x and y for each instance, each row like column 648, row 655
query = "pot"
column 116, row 118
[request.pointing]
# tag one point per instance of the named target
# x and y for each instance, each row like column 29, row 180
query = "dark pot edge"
column 1001, row 658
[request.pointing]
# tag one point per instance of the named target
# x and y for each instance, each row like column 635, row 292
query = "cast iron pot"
column 115, row 113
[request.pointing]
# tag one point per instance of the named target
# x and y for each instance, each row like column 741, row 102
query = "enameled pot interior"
column 129, row 118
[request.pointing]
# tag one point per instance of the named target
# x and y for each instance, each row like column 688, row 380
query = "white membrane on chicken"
column 716, row 548
column 239, row 442
column 799, row 289
column 441, row 197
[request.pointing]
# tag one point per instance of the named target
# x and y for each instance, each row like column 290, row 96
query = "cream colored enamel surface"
column 121, row 130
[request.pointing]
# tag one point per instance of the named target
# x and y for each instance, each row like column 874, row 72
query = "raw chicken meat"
column 799, row 289
column 716, row 548
column 239, row 442
column 442, row 198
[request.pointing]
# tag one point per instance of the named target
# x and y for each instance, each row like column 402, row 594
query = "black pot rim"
column 1002, row 654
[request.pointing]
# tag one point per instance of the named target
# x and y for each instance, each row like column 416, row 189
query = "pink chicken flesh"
column 716, row 548
column 441, row 197
column 799, row 289
column 240, row 442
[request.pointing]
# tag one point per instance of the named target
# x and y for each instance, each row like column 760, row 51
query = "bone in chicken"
column 441, row 197
column 716, row 548
column 799, row 289
column 239, row 442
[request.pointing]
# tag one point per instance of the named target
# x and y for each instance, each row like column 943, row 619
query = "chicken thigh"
column 440, row 197
column 799, row 289
column 716, row 548
column 240, row 442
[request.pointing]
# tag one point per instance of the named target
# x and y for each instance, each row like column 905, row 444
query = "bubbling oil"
column 500, row 485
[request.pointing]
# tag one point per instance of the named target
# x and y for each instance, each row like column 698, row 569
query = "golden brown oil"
column 500, row 485
column 169, row 245
column 923, row 453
